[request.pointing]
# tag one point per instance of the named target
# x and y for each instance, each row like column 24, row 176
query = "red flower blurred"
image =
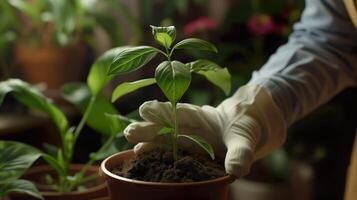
column 200, row 24
column 261, row 25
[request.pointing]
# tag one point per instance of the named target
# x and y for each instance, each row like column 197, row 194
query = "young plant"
column 172, row 76
column 15, row 159
column 98, row 113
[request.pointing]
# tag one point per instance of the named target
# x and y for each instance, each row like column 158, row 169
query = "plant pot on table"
column 129, row 189
column 95, row 189
column 53, row 65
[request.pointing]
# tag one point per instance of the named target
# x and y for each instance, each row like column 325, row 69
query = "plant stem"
column 92, row 160
column 168, row 55
column 163, row 53
column 85, row 116
column 68, row 155
column 176, row 131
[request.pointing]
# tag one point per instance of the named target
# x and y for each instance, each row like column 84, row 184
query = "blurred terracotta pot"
column 299, row 188
column 128, row 189
column 96, row 189
column 53, row 65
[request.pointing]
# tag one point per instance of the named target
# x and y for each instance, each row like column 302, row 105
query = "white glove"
column 243, row 128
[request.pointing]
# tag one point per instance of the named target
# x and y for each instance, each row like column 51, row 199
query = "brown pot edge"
column 46, row 168
column 108, row 175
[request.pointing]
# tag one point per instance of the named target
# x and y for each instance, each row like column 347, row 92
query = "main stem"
column 91, row 161
column 176, row 131
column 85, row 116
column 78, row 130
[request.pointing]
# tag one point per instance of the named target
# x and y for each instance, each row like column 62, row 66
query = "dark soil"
column 158, row 166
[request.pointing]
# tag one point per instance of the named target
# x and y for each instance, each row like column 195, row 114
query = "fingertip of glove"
column 143, row 147
column 237, row 170
column 147, row 104
column 238, row 161
column 128, row 132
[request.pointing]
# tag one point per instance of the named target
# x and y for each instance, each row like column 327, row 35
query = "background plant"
column 173, row 77
column 98, row 113
column 15, row 159
column 64, row 22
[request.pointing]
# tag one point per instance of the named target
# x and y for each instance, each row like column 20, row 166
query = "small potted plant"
column 15, row 159
column 125, row 172
column 61, row 179
column 54, row 37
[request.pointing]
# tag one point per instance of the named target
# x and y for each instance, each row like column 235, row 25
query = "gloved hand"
column 243, row 128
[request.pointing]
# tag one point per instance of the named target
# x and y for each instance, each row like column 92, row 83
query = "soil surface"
column 158, row 166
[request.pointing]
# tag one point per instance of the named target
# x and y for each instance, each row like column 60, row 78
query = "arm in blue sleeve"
column 319, row 60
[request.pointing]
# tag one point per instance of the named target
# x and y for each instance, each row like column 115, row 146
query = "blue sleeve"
column 319, row 60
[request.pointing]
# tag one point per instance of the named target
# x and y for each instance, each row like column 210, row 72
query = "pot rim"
column 104, row 170
column 75, row 167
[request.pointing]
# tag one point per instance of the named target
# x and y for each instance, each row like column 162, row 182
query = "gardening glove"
column 243, row 128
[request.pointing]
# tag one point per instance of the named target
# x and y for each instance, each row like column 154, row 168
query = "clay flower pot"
column 53, row 65
column 97, row 188
column 128, row 189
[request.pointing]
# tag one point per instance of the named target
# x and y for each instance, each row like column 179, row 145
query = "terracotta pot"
column 53, row 65
column 128, row 189
column 98, row 189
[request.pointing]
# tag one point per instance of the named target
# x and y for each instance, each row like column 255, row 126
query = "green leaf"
column 195, row 44
column 203, row 65
column 32, row 98
column 201, row 142
column 65, row 18
column 131, row 59
column 50, row 149
column 97, row 77
column 164, row 35
column 32, row 11
column 173, row 78
column 21, row 186
column 60, row 159
column 15, row 159
column 119, row 144
column 117, row 123
column 79, row 95
column 55, row 164
column 68, row 142
column 165, row 131
column 220, row 78
column 214, row 73
column 127, row 87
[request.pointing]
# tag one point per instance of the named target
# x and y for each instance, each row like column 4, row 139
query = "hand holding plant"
column 238, row 129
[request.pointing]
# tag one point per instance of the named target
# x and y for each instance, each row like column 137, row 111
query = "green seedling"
column 172, row 76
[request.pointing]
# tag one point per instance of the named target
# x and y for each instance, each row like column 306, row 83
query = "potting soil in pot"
column 158, row 166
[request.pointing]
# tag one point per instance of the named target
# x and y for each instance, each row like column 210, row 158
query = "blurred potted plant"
column 125, row 172
column 53, row 36
column 61, row 179
column 15, row 159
